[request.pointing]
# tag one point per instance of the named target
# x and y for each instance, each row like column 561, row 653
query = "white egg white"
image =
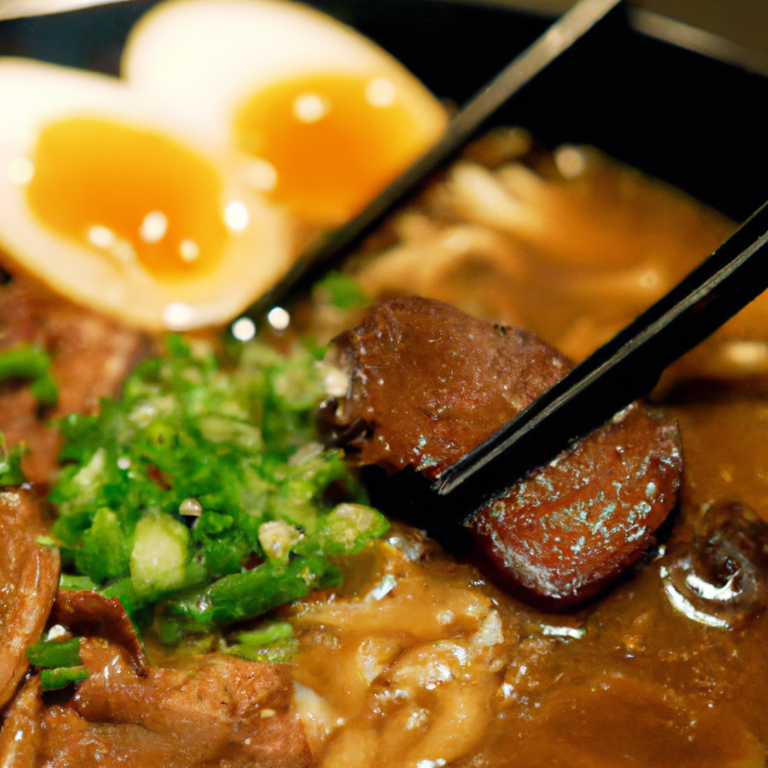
column 207, row 57
column 33, row 95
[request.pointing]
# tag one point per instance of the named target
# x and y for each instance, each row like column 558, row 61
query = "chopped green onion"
column 273, row 642
column 266, row 634
column 61, row 677
column 11, row 472
column 244, row 446
column 279, row 652
column 348, row 527
column 67, row 581
column 159, row 556
column 55, row 653
column 250, row 594
column 341, row 291
column 28, row 362
column 105, row 551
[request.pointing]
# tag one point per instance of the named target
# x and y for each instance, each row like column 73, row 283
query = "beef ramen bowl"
column 212, row 550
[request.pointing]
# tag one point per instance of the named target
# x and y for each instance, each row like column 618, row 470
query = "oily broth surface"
column 570, row 245
column 480, row 677
column 418, row 661
column 649, row 674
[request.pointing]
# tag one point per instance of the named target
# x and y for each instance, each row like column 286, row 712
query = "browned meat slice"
column 218, row 711
column 566, row 530
column 20, row 734
column 430, row 383
column 29, row 577
column 91, row 357
column 93, row 615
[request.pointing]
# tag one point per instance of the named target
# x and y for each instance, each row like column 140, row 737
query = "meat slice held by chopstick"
column 428, row 384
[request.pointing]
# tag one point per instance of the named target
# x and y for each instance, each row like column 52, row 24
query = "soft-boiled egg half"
column 316, row 117
column 101, row 203
column 171, row 197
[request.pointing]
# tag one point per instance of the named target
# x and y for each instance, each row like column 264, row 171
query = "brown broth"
column 419, row 662
column 445, row 667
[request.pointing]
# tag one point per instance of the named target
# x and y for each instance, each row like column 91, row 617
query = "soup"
column 417, row 659
column 208, row 579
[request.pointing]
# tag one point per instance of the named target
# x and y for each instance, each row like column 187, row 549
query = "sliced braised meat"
column 566, row 530
column 218, row 711
column 91, row 356
column 21, row 731
column 431, row 383
column 93, row 615
column 29, row 577
column 427, row 384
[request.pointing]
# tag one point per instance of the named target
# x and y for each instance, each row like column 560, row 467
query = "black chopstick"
column 622, row 370
column 466, row 125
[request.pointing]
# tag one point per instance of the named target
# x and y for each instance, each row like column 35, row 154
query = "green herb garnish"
column 61, row 677
column 272, row 642
column 267, row 634
column 203, row 495
column 11, row 472
column 28, row 362
column 55, row 653
column 59, row 662
column 341, row 292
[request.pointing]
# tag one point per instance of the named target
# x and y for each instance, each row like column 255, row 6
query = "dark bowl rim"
column 645, row 22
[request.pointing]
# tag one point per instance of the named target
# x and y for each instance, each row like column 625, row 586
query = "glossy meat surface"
column 29, row 577
column 431, row 383
column 91, row 356
column 566, row 530
column 216, row 711
column 93, row 615
column 21, row 731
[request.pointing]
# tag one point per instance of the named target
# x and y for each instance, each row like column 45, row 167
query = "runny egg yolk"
column 131, row 195
column 324, row 145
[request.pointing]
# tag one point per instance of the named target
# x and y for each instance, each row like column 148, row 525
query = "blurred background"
column 741, row 21
column 684, row 118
